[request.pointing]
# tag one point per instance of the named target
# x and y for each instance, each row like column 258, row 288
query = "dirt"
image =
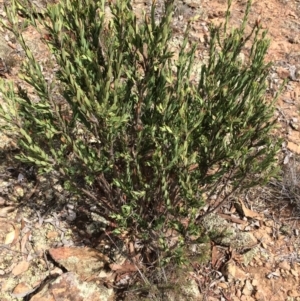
column 46, row 233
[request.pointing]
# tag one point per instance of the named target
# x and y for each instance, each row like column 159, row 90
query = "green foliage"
column 122, row 127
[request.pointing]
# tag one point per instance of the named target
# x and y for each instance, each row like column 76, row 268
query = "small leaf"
column 10, row 237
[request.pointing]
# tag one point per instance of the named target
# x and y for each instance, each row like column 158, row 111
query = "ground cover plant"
column 122, row 123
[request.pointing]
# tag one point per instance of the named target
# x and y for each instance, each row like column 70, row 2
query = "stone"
column 259, row 296
column 284, row 265
column 283, row 72
column 223, row 285
column 21, row 290
column 247, row 289
column 293, row 293
column 294, row 273
column 86, row 262
column 229, row 271
column 247, row 298
column 69, row 287
column 293, row 147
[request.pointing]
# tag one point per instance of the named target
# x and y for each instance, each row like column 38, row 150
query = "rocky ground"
column 56, row 247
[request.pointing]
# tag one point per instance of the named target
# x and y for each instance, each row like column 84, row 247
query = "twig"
column 125, row 255
column 7, row 248
column 225, row 198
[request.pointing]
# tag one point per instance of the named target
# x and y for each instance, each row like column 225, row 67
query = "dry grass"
column 288, row 187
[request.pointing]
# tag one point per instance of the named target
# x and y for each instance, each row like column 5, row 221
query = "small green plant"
column 125, row 129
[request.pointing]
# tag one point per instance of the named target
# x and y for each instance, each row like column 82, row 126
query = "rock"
column 293, row 293
column 248, row 256
column 86, row 262
column 20, row 268
column 283, row 72
column 247, row 289
column 229, row 270
column 228, row 235
column 69, row 287
column 21, row 290
column 254, row 282
column 186, row 291
column 286, row 230
column 247, row 298
column 223, row 285
column 2, row 201
column 259, row 296
column 294, row 273
column 191, row 290
column 212, row 299
column 18, row 191
column 244, row 240
column 240, row 274
column 293, row 147
column 284, row 265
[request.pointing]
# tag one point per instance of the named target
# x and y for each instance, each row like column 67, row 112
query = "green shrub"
column 125, row 128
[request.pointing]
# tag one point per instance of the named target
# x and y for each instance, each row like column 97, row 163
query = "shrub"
column 122, row 127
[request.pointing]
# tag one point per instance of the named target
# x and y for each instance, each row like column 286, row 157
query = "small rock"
column 223, row 285
column 294, row 273
column 239, row 293
column 71, row 215
column 229, row 270
column 212, row 299
column 18, row 191
column 21, row 290
column 69, row 287
column 56, row 271
column 285, row 230
column 192, row 290
column 294, row 119
column 294, row 126
column 267, row 265
column 284, row 265
column 259, row 296
column 86, row 262
column 293, row 293
column 52, row 234
column 247, row 298
column 269, row 223
column 70, row 206
column 2, row 201
column 247, row 289
column 20, row 268
column 293, row 147
column 240, row 274
column 283, row 72
column 273, row 275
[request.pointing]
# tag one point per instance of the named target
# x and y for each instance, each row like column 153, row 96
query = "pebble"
column 19, row 191
column 293, row 293
column 294, row 273
column 284, row 265
column 223, row 285
column 247, row 289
